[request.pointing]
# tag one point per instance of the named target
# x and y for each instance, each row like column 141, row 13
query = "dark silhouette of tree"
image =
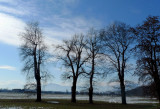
column 72, row 54
column 117, row 40
column 93, row 48
column 150, row 90
column 148, row 52
column 33, row 54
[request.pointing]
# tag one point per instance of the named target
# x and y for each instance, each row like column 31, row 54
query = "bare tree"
column 117, row 40
column 148, row 52
column 33, row 54
column 95, row 59
column 73, row 58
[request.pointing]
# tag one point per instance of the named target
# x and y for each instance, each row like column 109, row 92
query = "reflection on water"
column 111, row 99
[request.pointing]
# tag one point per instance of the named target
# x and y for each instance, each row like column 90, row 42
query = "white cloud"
column 61, row 27
column 113, row 84
column 10, row 28
column 6, row 67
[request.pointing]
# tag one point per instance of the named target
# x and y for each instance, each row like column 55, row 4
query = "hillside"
column 138, row 91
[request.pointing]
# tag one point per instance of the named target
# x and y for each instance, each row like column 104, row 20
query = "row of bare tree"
column 97, row 53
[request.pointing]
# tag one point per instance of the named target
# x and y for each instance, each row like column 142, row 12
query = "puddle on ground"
column 54, row 102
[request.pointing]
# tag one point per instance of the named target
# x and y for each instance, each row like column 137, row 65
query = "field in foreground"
column 66, row 104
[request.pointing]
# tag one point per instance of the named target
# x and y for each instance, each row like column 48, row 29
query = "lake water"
column 111, row 99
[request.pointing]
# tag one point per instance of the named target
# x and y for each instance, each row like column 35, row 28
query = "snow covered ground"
column 111, row 99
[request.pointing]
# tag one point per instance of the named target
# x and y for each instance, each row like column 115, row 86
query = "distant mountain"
column 138, row 91
column 59, row 89
column 55, row 87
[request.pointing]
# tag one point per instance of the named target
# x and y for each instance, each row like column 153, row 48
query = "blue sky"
column 60, row 19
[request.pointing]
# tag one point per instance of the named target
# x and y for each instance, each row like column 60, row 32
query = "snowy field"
column 111, row 99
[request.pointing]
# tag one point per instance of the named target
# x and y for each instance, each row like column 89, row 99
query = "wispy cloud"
column 63, row 28
column 136, row 10
column 11, row 10
column 62, row 7
column 56, row 26
column 17, row 7
column 6, row 67
column 12, row 2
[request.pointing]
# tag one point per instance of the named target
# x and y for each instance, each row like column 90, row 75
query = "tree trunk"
column 38, row 82
column 37, row 76
column 91, row 88
column 91, row 95
column 158, row 93
column 157, row 82
column 123, row 93
column 91, row 79
column 74, row 91
column 38, row 90
column 122, row 86
column 121, row 77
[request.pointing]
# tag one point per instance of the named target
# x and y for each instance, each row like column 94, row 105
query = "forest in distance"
column 96, row 54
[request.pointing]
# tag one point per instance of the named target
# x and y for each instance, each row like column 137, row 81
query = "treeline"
column 97, row 53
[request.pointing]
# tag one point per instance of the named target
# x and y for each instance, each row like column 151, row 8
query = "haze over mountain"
column 57, row 87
